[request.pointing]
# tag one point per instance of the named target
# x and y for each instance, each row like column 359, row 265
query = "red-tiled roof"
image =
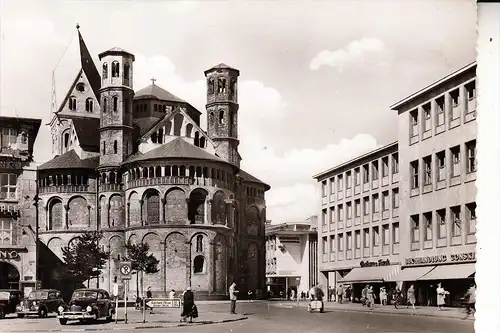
column 177, row 148
column 155, row 92
column 249, row 178
column 70, row 160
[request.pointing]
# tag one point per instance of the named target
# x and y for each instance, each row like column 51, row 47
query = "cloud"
column 355, row 52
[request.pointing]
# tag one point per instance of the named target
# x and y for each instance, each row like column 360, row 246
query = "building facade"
column 291, row 257
column 18, row 248
column 138, row 167
column 359, row 233
column 428, row 204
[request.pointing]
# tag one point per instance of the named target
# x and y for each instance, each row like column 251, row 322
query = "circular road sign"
column 125, row 269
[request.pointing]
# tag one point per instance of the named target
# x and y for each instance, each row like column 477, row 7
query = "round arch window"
column 199, row 263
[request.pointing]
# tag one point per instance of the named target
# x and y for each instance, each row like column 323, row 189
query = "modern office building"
column 359, row 234
column 291, row 256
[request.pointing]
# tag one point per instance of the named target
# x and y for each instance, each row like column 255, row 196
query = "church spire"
column 88, row 66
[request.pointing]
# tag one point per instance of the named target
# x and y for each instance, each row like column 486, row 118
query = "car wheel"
column 63, row 321
column 109, row 317
column 42, row 313
column 20, row 315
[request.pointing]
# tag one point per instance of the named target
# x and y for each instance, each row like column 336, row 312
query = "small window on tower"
column 221, row 117
column 211, row 86
column 104, row 104
column 115, row 69
column 104, row 148
column 126, row 71
column 115, row 146
column 222, row 85
column 72, row 103
column 115, row 103
column 105, row 70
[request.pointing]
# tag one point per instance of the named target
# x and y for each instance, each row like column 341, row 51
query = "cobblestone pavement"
column 263, row 317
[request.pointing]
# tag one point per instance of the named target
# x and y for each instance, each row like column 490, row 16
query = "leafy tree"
column 84, row 258
column 142, row 261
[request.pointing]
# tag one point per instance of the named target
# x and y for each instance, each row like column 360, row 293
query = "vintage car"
column 87, row 304
column 40, row 303
column 9, row 299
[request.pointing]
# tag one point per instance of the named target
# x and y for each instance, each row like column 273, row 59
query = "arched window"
column 104, row 148
column 221, row 117
column 126, row 71
column 105, row 70
column 198, row 264
column 115, row 69
column 66, row 142
column 72, row 103
column 115, row 103
column 104, row 104
column 199, row 243
column 196, row 138
column 89, row 105
column 112, row 177
column 211, row 85
column 154, row 137
column 222, row 85
column 202, row 142
column 115, row 146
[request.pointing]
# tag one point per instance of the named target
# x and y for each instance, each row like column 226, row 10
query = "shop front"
column 17, row 269
column 455, row 272
column 377, row 274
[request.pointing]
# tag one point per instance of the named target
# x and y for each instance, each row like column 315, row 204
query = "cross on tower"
column 153, row 80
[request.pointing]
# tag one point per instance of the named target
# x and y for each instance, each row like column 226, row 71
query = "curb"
column 130, row 327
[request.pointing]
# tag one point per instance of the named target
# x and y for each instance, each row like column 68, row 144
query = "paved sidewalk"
column 455, row 313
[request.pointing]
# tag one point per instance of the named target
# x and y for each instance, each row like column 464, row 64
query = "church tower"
column 222, row 111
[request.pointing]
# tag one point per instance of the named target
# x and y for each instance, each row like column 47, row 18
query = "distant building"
column 17, row 203
column 291, row 256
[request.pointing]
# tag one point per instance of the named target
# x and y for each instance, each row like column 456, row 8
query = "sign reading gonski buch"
column 441, row 259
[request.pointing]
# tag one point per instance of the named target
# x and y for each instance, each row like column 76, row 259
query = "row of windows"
column 353, row 177
column 454, row 222
column 156, row 107
column 445, row 106
column 361, row 238
column 182, row 171
column 115, row 70
column 442, row 173
column 357, row 207
column 114, row 102
column 89, row 104
column 115, row 148
column 221, row 86
column 8, row 186
column 57, row 180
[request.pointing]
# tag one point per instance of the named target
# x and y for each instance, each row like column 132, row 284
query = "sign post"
column 116, row 293
column 125, row 271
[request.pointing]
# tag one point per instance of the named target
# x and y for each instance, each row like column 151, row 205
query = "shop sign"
column 441, row 259
column 10, row 165
column 8, row 254
column 375, row 263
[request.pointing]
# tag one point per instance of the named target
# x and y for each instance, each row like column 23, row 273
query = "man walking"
column 149, row 295
column 232, row 296
column 470, row 297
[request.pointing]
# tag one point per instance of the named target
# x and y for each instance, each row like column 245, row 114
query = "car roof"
column 10, row 290
column 49, row 290
column 90, row 289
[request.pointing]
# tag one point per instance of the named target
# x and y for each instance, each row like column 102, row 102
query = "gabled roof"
column 156, row 92
column 70, row 160
column 251, row 179
column 177, row 148
column 89, row 68
column 70, row 90
column 87, row 130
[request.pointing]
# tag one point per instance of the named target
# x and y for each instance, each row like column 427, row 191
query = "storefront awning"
column 411, row 273
column 376, row 274
column 450, row 272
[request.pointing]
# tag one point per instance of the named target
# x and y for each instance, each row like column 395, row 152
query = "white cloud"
column 355, row 52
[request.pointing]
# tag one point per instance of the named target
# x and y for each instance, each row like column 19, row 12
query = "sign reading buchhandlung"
column 441, row 259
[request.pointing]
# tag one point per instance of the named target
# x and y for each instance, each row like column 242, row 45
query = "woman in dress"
column 383, row 296
column 441, row 294
column 188, row 308
column 369, row 296
column 411, row 296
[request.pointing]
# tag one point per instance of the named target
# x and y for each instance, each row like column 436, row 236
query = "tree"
column 84, row 258
column 142, row 261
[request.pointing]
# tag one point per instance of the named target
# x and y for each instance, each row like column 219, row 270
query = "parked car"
column 9, row 299
column 87, row 304
column 40, row 303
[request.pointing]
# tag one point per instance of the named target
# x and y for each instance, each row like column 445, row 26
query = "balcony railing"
column 65, row 189
column 110, row 187
column 176, row 180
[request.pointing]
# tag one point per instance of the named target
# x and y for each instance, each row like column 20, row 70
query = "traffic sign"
column 164, row 303
column 126, row 270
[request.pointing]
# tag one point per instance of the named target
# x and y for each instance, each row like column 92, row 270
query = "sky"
column 316, row 77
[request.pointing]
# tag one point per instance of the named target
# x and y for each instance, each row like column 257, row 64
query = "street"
column 269, row 317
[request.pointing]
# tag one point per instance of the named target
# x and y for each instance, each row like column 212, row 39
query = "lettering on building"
column 463, row 257
column 375, row 263
column 441, row 259
column 8, row 254
column 10, row 165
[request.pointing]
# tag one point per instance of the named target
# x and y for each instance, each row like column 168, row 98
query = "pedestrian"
column 292, row 295
column 149, row 295
column 340, row 293
column 312, row 293
column 334, row 293
column 364, row 295
column 410, row 296
column 396, row 297
column 250, row 298
column 370, row 297
column 233, row 296
column 171, row 294
column 383, row 296
column 189, row 309
column 441, row 295
column 470, row 295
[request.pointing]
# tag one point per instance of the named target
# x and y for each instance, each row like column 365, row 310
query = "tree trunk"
column 97, row 282
column 137, row 283
column 142, row 283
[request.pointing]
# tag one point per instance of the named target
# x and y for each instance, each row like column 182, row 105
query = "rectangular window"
column 325, row 245
column 471, row 156
column 428, row 226
column 349, row 240
column 376, row 236
column 9, row 137
column 471, row 90
column 357, row 208
column 348, row 179
column 415, row 228
column 324, row 216
column 395, row 233
column 414, row 174
column 414, row 123
column 332, row 243
column 395, row 198
column 332, row 214
column 441, row 165
column 340, row 182
column 340, row 242
column 366, row 238
column 427, row 170
column 456, row 227
column 440, row 111
column 376, row 203
column 455, row 98
column 324, row 188
column 374, row 170
column 366, row 205
column 385, row 234
column 332, row 185
column 8, row 186
column 340, row 210
column 385, row 200
column 427, row 117
column 366, row 174
column 6, row 232
column 357, row 177
column 441, row 223
column 471, row 218
column 385, row 166
column 395, row 163
column 455, row 161
column 348, row 206
column 357, row 239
